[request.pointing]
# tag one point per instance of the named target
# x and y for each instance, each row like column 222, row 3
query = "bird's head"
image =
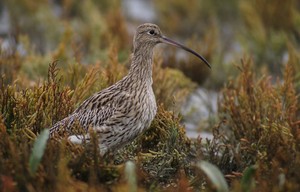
column 148, row 35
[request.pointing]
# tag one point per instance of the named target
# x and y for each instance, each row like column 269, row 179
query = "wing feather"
column 99, row 112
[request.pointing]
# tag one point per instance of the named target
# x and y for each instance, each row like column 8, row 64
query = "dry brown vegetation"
column 62, row 59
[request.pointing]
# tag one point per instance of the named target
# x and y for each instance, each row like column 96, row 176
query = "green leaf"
column 131, row 176
column 247, row 179
column 215, row 175
column 38, row 150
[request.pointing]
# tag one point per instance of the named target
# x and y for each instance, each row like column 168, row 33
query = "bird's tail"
column 64, row 126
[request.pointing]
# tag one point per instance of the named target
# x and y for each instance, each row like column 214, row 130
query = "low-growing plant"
column 260, row 127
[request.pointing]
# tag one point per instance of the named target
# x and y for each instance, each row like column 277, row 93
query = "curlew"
column 121, row 112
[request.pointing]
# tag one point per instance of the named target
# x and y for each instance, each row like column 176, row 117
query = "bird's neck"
column 141, row 66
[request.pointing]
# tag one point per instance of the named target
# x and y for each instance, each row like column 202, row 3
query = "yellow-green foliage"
column 261, row 113
column 34, row 108
column 10, row 66
column 161, row 152
column 264, row 125
column 202, row 23
column 170, row 86
column 160, row 155
column 260, row 127
column 268, row 25
column 32, row 100
column 294, row 60
column 223, row 33
column 63, row 58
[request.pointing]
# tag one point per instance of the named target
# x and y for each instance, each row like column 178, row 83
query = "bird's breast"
column 148, row 107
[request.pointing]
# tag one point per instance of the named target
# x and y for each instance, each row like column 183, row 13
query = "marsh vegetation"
column 55, row 54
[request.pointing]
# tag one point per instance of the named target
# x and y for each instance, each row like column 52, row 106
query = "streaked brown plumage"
column 119, row 113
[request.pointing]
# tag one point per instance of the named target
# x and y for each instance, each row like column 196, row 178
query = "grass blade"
column 215, row 175
column 130, row 174
column 247, row 179
column 38, row 150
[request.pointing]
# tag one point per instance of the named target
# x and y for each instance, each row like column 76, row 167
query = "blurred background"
column 99, row 32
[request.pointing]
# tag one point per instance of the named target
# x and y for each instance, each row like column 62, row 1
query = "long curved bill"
column 171, row 42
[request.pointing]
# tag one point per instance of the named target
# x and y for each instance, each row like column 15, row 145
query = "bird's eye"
column 151, row 32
